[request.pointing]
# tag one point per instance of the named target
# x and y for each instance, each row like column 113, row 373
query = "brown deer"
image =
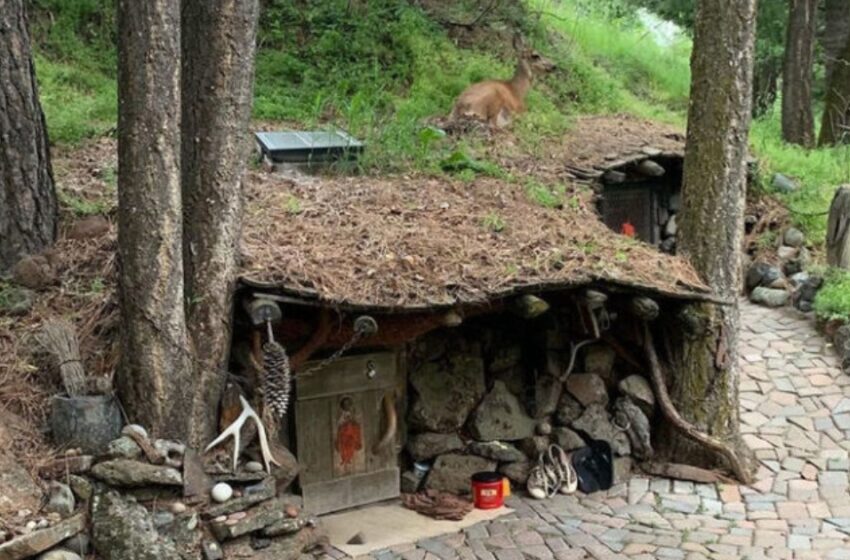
column 494, row 101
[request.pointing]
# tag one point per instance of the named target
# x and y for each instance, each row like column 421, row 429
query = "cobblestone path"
column 795, row 413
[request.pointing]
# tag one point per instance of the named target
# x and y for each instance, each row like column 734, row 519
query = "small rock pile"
column 487, row 410
column 147, row 498
column 776, row 285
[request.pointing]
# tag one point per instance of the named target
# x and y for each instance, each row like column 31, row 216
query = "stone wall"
column 490, row 396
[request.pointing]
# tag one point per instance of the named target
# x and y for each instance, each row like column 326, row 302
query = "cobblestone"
column 795, row 415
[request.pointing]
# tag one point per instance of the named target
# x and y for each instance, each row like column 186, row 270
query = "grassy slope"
column 383, row 71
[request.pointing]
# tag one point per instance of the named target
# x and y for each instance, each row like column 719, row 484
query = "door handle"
column 391, row 418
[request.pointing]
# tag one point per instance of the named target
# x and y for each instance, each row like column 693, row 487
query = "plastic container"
column 488, row 490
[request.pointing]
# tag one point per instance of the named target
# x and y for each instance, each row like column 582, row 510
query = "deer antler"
column 234, row 430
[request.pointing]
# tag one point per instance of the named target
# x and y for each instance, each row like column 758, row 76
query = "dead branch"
column 669, row 410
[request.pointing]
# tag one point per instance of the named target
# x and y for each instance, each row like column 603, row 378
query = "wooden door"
column 348, row 430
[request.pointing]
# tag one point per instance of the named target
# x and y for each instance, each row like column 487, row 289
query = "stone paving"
column 795, row 413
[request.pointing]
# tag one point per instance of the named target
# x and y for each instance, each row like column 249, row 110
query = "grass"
column 833, row 300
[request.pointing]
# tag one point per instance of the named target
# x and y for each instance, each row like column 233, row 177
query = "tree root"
column 737, row 465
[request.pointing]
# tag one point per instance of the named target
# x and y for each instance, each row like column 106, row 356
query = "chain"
column 355, row 338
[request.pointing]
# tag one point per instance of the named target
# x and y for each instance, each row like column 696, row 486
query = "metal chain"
column 355, row 338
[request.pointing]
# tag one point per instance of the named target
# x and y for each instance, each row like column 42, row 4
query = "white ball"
column 221, row 492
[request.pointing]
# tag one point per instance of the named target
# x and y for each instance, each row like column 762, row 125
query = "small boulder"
column 599, row 359
column 672, row 227
column 596, row 423
column 453, row 472
column 59, row 554
column 569, row 410
column 783, row 184
column 444, row 396
column 761, row 274
column 675, row 202
column 37, row 541
column 769, row 297
column 793, row 237
column 567, row 439
column 496, row 450
column 535, row 445
column 123, row 448
column 517, row 472
column 34, row 272
column 79, row 543
column 638, row 388
column 126, row 473
column 60, row 499
column 547, row 393
column 500, row 416
column 89, row 228
column 613, row 177
column 125, row 530
column 650, row 168
column 587, row 388
column 786, row 253
column 423, row 447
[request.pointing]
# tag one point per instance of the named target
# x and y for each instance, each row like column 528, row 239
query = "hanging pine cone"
column 277, row 378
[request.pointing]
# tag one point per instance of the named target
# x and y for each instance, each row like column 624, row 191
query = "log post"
column 838, row 230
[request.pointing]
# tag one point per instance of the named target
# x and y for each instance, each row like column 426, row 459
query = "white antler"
column 234, row 430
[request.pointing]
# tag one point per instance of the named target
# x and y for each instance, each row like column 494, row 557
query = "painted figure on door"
column 349, row 436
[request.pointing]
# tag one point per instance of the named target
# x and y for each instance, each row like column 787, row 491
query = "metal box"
column 320, row 146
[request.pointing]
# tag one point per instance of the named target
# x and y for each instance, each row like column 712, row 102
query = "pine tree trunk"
column 28, row 208
column 703, row 376
column 218, row 61
column 836, row 32
column 155, row 375
column 836, row 113
column 798, row 122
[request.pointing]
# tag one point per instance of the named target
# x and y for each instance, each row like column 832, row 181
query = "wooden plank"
column 349, row 375
column 314, row 431
column 350, row 435
column 344, row 493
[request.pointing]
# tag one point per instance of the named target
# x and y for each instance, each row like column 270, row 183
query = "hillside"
column 324, row 65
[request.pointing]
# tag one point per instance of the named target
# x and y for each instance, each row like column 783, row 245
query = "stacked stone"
column 475, row 410
column 150, row 498
column 775, row 285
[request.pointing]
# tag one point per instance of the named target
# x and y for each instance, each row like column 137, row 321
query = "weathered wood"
column 155, row 373
column 218, row 47
column 741, row 470
column 28, row 206
column 838, row 230
column 704, row 384
column 679, row 471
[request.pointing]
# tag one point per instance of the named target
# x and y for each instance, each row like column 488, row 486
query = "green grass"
column 818, row 172
column 833, row 300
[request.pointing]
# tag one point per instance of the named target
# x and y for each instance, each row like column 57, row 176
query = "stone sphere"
column 221, row 492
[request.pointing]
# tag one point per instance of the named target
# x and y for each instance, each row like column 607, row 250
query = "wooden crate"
column 341, row 417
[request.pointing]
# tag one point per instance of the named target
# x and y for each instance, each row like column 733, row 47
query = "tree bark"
column 765, row 84
column 217, row 88
column 798, row 122
column 838, row 230
column 704, row 375
column 28, row 207
column 836, row 111
column 835, row 34
column 155, row 375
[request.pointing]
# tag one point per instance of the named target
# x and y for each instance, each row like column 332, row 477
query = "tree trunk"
column 704, row 374
column 218, row 61
column 837, row 105
column 838, row 230
column 28, row 208
column 798, row 122
column 765, row 84
column 155, row 376
column 836, row 32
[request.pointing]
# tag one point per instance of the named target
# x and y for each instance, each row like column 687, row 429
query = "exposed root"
column 737, row 465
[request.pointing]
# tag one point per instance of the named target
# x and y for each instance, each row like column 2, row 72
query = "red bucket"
column 488, row 490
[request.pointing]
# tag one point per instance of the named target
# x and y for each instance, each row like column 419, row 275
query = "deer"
column 494, row 101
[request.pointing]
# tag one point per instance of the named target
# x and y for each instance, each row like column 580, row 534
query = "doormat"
column 392, row 524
